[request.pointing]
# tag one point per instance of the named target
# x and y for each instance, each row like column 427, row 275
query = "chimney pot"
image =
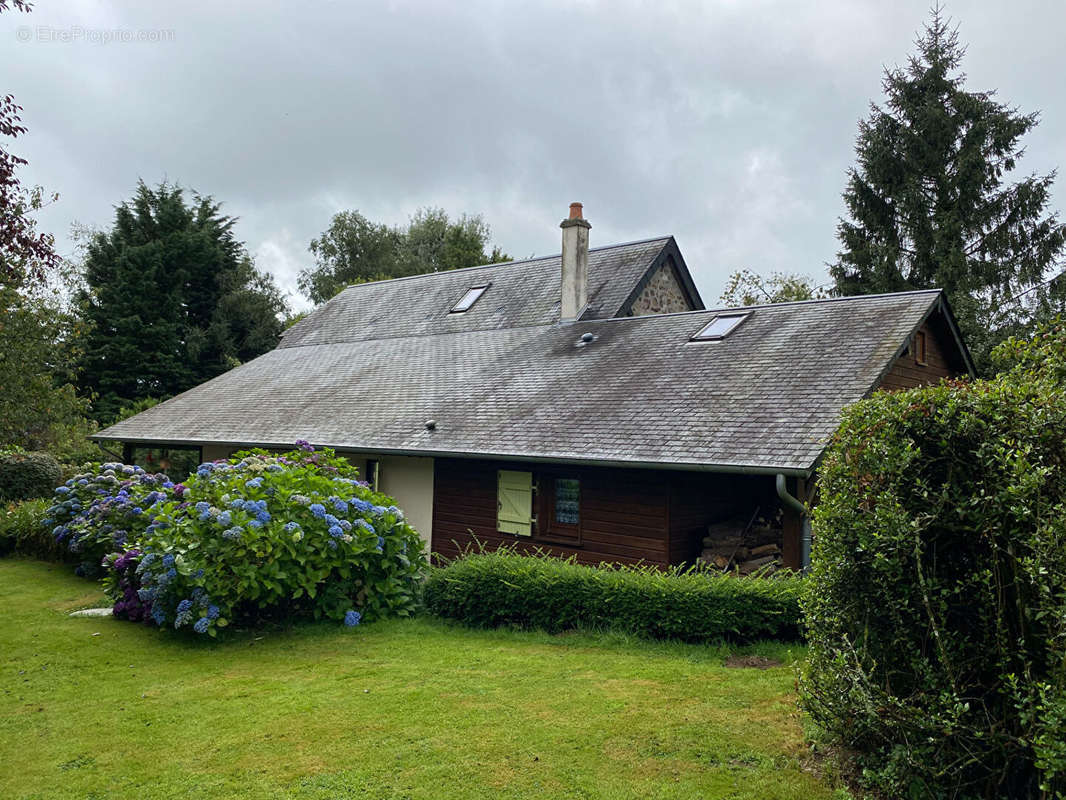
column 575, row 211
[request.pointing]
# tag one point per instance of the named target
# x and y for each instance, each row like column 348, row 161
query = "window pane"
column 469, row 299
column 720, row 326
column 567, row 501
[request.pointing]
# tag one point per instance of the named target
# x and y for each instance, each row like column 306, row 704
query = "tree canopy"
column 355, row 250
column 930, row 202
column 748, row 288
column 172, row 299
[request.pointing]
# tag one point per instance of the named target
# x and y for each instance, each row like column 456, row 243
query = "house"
column 585, row 403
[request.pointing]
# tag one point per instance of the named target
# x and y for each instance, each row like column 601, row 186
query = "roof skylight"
column 473, row 294
column 720, row 327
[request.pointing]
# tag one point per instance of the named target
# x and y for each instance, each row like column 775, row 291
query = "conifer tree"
column 931, row 201
column 173, row 299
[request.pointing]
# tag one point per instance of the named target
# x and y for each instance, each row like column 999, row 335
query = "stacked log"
column 743, row 547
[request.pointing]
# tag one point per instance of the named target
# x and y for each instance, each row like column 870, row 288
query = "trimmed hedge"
column 489, row 589
column 936, row 610
column 27, row 476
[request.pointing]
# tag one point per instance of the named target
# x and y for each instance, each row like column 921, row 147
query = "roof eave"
column 735, row 468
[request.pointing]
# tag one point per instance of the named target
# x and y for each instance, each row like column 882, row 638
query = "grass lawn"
column 95, row 708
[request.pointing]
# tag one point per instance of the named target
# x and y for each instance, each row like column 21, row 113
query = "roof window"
column 720, row 327
column 473, row 294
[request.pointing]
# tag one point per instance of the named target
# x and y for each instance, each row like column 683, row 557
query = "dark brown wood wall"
column 623, row 512
column 627, row 515
column 942, row 359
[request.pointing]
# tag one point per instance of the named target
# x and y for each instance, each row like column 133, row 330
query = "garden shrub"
column 27, row 476
column 95, row 513
column 259, row 536
column 500, row 587
column 22, row 531
column 936, row 610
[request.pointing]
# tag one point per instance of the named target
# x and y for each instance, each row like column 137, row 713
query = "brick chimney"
column 575, row 276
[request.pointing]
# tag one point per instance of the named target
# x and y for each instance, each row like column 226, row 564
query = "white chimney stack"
column 575, row 277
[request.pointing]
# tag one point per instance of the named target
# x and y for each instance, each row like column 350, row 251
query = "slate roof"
column 522, row 293
column 765, row 398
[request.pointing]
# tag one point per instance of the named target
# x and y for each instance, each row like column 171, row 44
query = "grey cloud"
column 727, row 124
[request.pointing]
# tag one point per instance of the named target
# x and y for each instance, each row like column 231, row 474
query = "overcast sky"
column 728, row 123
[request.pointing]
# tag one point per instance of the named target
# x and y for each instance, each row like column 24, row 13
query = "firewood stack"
column 744, row 545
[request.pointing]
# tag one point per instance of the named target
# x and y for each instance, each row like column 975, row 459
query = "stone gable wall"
column 662, row 295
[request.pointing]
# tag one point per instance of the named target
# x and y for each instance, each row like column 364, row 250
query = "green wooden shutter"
column 514, row 502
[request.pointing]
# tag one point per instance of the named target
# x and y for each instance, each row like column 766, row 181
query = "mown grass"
column 97, row 708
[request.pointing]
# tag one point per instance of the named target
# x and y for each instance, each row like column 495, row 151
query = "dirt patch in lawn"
column 752, row 662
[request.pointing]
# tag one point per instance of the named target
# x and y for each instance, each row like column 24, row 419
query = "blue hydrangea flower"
column 168, row 560
column 83, row 482
column 340, row 505
column 351, row 618
column 381, row 544
column 395, row 512
column 237, row 503
column 212, row 613
column 366, row 526
column 183, row 614
column 332, row 544
column 336, row 531
column 330, row 519
column 263, row 516
column 255, row 523
column 224, row 519
column 158, row 615
column 201, row 625
column 62, row 490
column 231, row 533
column 254, row 483
column 362, row 505
column 203, row 506
column 291, row 526
column 318, row 510
column 345, row 524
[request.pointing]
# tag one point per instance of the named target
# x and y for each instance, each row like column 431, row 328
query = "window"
column 373, row 474
column 567, row 509
column 473, row 294
column 560, row 509
column 919, row 348
column 720, row 327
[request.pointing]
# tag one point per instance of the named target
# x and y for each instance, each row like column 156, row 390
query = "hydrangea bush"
column 293, row 535
column 98, row 512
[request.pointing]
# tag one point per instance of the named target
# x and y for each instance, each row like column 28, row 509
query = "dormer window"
column 720, row 327
column 473, row 294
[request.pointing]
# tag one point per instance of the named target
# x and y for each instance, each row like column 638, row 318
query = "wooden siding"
column 627, row 515
column 942, row 359
column 623, row 512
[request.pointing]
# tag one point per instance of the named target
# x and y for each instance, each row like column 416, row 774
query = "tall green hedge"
column 936, row 609
column 502, row 588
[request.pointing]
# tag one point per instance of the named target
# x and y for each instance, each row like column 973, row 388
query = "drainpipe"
column 805, row 521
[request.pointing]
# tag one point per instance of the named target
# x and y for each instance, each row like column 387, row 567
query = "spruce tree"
column 172, row 298
column 931, row 203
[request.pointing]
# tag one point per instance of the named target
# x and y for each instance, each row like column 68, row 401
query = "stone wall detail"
column 662, row 295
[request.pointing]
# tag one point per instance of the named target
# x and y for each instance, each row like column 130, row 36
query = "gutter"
column 805, row 521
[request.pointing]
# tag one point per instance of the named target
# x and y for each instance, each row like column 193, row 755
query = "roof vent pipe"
column 575, row 264
column 805, row 521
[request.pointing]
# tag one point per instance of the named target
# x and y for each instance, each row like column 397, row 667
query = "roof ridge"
column 515, row 262
column 721, row 309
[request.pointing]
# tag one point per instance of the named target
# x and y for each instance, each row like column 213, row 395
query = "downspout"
column 805, row 521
